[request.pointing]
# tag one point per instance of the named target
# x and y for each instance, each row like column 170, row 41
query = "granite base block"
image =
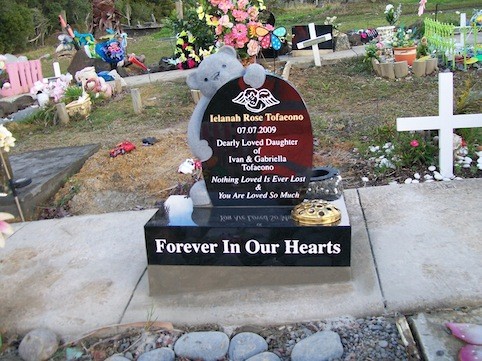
column 201, row 249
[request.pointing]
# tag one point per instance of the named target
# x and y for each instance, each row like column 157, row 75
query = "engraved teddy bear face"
column 215, row 71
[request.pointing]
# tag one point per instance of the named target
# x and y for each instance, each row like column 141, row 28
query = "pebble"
column 159, row 354
column 427, row 176
column 265, row 356
column 207, row 346
column 370, row 338
column 415, row 181
column 117, row 358
column 408, row 181
column 322, row 346
column 246, row 344
column 437, row 175
column 432, row 168
column 38, row 345
column 416, row 176
column 383, row 343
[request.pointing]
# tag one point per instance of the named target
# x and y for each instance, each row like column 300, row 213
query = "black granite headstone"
column 260, row 168
column 262, row 145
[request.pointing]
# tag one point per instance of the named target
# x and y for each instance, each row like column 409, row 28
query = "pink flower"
column 6, row 229
column 414, row 143
column 242, row 4
column 225, row 6
column 240, row 15
column 229, row 39
column 379, row 46
column 253, row 48
column 253, row 13
column 191, row 63
column 421, row 7
column 224, row 22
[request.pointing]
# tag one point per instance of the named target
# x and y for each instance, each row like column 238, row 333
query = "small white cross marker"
column 313, row 42
column 445, row 123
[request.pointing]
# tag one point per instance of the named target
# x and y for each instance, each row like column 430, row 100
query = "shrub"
column 17, row 26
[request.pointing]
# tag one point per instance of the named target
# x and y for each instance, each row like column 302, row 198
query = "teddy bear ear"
column 228, row 50
column 191, row 81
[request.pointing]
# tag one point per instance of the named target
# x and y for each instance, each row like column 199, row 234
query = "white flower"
column 7, row 141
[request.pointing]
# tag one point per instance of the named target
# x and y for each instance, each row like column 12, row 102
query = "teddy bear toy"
column 213, row 72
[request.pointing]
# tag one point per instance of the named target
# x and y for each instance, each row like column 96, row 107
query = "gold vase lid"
column 316, row 211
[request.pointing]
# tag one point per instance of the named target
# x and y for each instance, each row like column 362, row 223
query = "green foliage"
column 72, row 93
column 391, row 150
column 16, row 26
column 191, row 22
column 415, row 149
column 470, row 99
column 371, row 51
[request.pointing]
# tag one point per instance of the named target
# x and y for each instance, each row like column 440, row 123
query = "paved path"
column 415, row 247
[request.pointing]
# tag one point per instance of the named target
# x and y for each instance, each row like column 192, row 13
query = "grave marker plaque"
column 262, row 145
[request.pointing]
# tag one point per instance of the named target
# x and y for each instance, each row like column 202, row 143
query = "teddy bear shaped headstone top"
column 213, row 72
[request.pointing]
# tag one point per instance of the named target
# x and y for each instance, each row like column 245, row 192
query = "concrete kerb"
column 304, row 61
column 48, row 169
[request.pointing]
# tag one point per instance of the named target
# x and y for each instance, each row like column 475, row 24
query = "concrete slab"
column 48, row 169
column 72, row 274
column 434, row 339
column 426, row 242
column 274, row 305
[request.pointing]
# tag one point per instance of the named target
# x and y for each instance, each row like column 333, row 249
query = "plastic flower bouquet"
column 391, row 14
column 403, row 38
column 234, row 23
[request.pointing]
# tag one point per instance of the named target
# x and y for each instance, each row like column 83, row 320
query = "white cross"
column 313, row 42
column 445, row 123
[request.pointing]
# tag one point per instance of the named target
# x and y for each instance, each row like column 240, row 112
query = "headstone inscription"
column 262, row 145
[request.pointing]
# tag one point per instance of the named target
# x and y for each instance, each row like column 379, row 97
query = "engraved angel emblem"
column 256, row 100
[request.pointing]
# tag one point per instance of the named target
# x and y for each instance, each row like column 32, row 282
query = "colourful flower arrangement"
column 403, row 38
column 187, row 54
column 234, row 22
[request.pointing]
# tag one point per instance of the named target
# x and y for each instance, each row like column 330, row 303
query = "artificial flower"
column 6, row 229
column 200, row 12
column 414, row 143
column 421, row 7
column 253, row 47
column 7, row 141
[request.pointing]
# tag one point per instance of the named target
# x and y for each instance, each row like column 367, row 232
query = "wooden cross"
column 313, row 42
column 445, row 123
